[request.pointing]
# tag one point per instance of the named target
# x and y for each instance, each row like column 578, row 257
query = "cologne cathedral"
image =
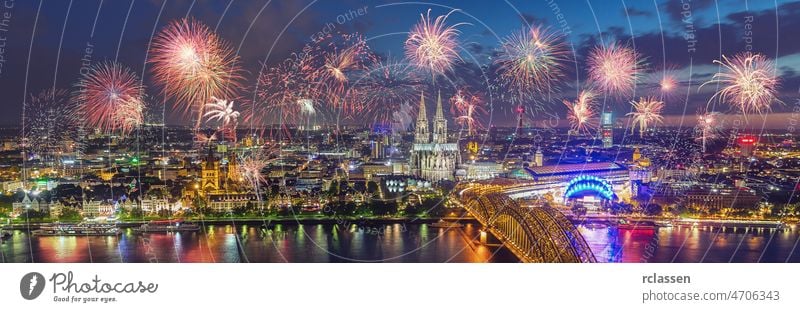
column 432, row 157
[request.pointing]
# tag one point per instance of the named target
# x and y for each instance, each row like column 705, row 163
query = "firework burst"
column 432, row 45
column 110, row 97
column 708, row 128
column 531, row 61
column 664, row 84
column 251, row 163
column 749, row 82
column 343, row 57
column 385, row 88
column 615, row 69
column 580, row 114
column 49, row 123
column 287, row 93
column 222, row 111
column 647, row 111
column 192, row 64
column 467, row 107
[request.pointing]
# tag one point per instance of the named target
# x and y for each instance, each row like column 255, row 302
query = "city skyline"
column 325, row 131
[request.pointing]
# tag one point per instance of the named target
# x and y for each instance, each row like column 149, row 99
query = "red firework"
column 532, row 61
column 110, row 96
column 192, row 64
column 433, row 45
column 580, row 114
column 286, row 93
column 615, row 69
column 342, row 56
column 385, row 89
column 467, row 108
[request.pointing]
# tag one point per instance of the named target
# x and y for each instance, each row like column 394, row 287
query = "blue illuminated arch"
column 589, row 184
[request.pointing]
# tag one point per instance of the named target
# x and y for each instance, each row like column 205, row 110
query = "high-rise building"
column 607, row 129
column 538, row 158
column 377, row 149
column 747, row 144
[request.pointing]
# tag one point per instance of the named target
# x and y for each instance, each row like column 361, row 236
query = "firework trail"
column 110, row 97
column 432, row 45
column 749, row 82
column 708, row 128
column 204, row 139
column 615, row 69
column 467, row 107
column 192, row 64
column 531, row 62
column 287, row 93
column 385, row 90
column 222, row 111
column 343, row 56
column 49, row 123
column 251, row 163
column 580, row 114
column 647, row 112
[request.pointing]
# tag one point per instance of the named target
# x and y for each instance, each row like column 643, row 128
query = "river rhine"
column 394, row 242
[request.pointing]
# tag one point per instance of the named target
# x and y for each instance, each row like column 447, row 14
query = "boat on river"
column 78, row 229
column 445, row 224
column 167, row 226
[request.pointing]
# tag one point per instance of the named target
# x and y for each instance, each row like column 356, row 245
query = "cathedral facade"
column 432, row 157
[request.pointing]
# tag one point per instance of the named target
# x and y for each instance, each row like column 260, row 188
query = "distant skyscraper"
column 538, row 158
column 378, row 149
column 607, row 129
column 747, row 144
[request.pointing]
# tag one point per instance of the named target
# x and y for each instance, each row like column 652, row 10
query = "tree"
column 339, row 208
column 578, row 210
column 383, row 208
column 31, row 214
column 620, row 208
column 69, row 214
column 411, row 211
column 136, row 213
column 652, row 209
column 164, row 213
column 372, row 187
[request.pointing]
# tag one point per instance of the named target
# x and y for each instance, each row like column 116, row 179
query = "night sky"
column 44, row 43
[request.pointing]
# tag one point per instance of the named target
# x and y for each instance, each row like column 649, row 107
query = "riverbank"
column 271, row 220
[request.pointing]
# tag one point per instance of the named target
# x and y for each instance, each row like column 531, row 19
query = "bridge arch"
column 535, row 234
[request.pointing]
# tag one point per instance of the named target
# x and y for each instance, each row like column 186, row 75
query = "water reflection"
column 395, row 242
column 692, row 244
column 272, row 243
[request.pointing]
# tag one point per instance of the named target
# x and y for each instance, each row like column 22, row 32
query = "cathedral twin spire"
column 422, row 134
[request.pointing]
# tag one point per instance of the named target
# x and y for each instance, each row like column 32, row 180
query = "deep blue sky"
column 36, row 56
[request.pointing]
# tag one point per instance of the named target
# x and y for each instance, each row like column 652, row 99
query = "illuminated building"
column 483, row 170
column 538, row 158
column 377, row 149
column 433, row 159
column 209, row 174
column 747, row 145
column 557, row 180
column 607, row 129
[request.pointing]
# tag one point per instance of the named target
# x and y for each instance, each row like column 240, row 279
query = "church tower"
column 209, row 179
column 421, row 134
column 439, row 123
